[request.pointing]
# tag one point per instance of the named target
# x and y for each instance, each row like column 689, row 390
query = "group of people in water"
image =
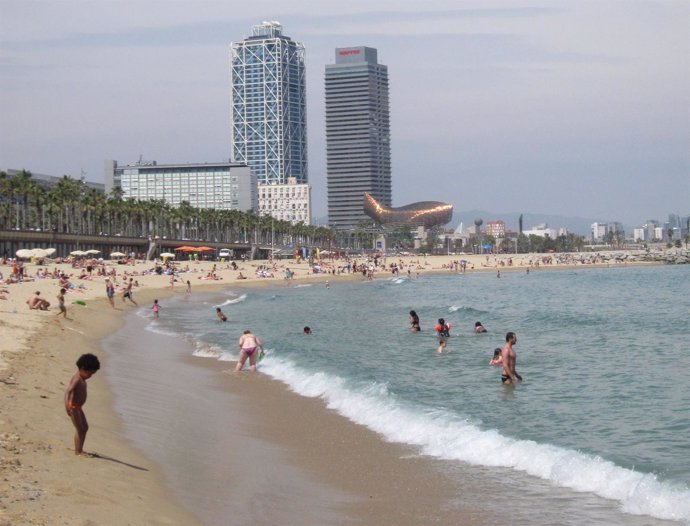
column 504, row 357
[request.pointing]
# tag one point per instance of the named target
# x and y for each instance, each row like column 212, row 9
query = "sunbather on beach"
column 35, row 302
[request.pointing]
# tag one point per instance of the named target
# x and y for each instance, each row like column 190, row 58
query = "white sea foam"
column 301, row 285
column 156, row 328
column 445, row 435
column 208, row 350
column 233, row 301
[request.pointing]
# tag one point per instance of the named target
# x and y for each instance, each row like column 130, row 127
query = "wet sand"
column 243, row 446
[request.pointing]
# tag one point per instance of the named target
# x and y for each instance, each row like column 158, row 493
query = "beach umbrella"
column 93, row 251
column 167, row 255
column 50, row 251
column 184, row 248
column 24, row 253
column 77, row 253
column 39, row 253
column 117, row 255
column 204, row 249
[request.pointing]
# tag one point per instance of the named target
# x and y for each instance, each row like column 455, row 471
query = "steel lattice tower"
column 269, row 117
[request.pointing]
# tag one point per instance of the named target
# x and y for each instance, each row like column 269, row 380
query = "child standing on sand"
column 75, row 398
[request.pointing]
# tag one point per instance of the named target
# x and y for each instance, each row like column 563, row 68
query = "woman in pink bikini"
column 249, row 343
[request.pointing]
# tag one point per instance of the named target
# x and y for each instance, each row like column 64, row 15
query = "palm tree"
column 5, row 200
column 22, row 187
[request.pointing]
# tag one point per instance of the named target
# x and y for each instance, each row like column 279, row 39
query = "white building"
column 222, row 186
column 639, row 234
column 287, row 202
column 598, row 231
column 542, row 231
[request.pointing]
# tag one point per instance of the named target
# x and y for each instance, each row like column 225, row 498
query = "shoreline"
column 45, row 479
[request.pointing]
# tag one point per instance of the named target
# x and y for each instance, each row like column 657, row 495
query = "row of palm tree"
column 73, row 207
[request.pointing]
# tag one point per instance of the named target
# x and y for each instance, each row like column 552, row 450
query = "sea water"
column 598, row 431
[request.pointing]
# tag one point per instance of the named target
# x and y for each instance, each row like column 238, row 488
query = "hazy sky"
column 578, row 108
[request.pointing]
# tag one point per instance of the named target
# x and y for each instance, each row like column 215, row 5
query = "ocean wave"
column 233, row 301
column 468, row 310
column 207, row 350
column 156, row 328
column 444, row 435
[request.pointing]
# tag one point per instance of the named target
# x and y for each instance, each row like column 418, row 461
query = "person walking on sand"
column 129, row 294
column 75, row 398
column 510, row 375
column 249, row 343
column 61, row 304
column 110, row 292
column 189, row 287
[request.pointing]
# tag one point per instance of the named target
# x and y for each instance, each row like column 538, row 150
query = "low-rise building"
column 542, row 230
column 287, row 202
column 222, row 186
column 497, row 228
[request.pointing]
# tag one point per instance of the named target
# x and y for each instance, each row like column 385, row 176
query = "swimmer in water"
column 414, row 322
column 479, row 328
column 442, row 329
column 498, row 357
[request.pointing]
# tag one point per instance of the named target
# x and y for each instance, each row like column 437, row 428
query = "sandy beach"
column 359, row 477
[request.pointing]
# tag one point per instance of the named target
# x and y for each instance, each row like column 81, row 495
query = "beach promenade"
column 45, row 483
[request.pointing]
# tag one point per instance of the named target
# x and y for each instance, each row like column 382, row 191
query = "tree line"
column 73, row 207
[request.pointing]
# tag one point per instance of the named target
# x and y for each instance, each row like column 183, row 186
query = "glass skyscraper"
column 358, row 153
column 269, row 124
